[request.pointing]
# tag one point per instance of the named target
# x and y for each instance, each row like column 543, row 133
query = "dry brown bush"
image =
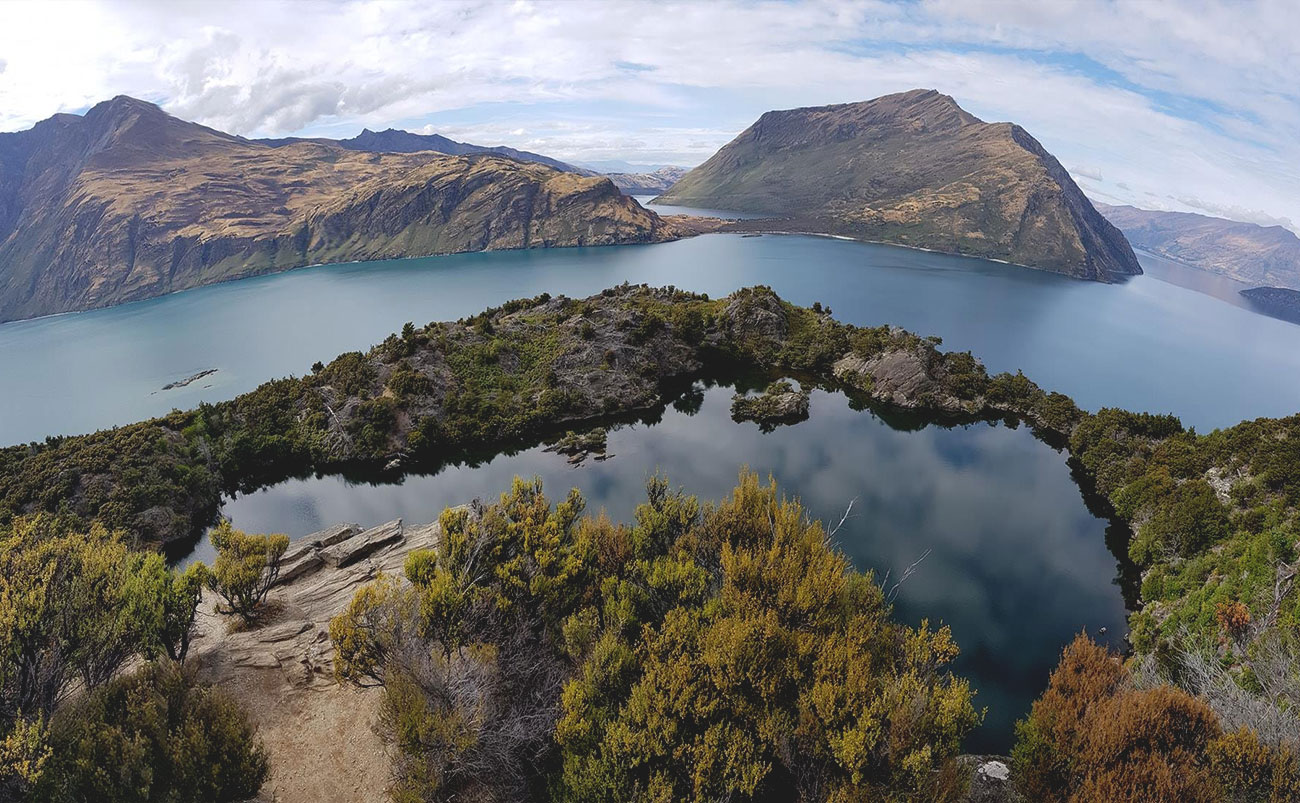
column 1095, row 737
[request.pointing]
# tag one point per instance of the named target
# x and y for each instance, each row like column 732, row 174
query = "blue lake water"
column 1017, row 564
column 1146, row 344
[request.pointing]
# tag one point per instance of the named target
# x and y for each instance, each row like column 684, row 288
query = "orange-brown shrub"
column 1148, row 746
column 1233, row 617
column 1049, row 742
column 1093, row 737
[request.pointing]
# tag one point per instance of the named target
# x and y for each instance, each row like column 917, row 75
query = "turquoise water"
column 1146, row 344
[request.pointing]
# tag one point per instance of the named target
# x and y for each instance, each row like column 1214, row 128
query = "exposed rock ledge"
column 321, row 735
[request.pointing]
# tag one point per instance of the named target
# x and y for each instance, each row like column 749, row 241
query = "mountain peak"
column 916, row 169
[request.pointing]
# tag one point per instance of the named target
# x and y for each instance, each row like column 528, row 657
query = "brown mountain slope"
column 129, row 202
column 913, row 169
column 1263, row 255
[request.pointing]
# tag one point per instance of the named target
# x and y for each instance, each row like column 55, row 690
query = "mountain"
column 128, row 202
column 1278, row 302
column 648, row 183
column 1263, row 255
column 394, row 140
column 912, row 169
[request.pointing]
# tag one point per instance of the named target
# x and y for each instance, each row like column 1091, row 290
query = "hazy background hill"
column 393, row 140
column 1247, row 252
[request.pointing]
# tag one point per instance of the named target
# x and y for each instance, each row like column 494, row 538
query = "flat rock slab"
column 350, row 550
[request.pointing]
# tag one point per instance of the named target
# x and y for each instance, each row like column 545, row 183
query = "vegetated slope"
column 1215, row 517
column 394, row 140
column 129, row 202
column 648, row 183
column 1278, row 302
column 912, row 169
column 1260, row 255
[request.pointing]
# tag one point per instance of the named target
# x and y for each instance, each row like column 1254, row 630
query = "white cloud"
column 1194, row 100
column 1234, row 212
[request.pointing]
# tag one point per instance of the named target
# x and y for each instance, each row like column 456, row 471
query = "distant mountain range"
column 129, row 202
column 913, row 169
column 648, row 183
column 1258, row 255
column 393, row 140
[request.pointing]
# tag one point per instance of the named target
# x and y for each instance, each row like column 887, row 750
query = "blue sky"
column 1192, row 105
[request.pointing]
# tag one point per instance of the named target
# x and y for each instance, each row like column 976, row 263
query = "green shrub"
column 75, row 607
column 155, row 736
column 697, row 654
column 245, row 569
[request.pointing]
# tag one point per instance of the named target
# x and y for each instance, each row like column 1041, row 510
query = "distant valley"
column 912, row 169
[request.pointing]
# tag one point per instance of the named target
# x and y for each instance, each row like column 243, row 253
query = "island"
column 1279, row 302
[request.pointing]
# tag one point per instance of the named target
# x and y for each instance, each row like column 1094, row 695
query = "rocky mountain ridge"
column 652, row 183
column 395, row 140
column 912, row 169
column 128, row 202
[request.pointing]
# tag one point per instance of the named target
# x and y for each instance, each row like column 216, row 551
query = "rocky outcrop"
column 321, row 735
column 913, row 169
column 1246, row 252
column 319, row 575
column 780, row 403
column 906, row 378
column 990, row 780
column 129, row 202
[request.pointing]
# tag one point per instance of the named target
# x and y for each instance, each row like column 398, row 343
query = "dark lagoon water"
column 1017, row 563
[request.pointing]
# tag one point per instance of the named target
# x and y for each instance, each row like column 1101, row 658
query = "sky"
column 1190, row 106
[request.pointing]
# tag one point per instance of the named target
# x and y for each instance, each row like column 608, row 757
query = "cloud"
column 1197, row 100
column 1235, row 212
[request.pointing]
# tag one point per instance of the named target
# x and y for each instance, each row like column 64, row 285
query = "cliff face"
column 1264, row 255
column 913, row 169
column 128, row 202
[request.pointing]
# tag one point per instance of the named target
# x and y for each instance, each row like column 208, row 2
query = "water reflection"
column 1017, row 563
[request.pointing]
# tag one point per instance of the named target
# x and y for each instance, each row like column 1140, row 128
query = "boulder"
column 303, row 555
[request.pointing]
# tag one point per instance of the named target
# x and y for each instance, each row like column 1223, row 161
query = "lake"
column 1146, row 344
column 1017, row 564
